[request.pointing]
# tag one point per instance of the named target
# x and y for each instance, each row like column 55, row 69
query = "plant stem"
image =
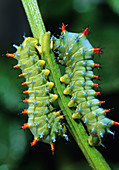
column 94, row 158
column 34, row 17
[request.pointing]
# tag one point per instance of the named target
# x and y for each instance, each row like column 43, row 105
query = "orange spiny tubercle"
column 16, row 66
column 20, row 75
column 97, row 93
column 26, row 125
column 101, row 102
column 95, row 85
column 24, row 83
column 26, row 92
column 52, row 147
column 34, row 142
column 97, row 50
column 85, row 32
column 25, row 111
column 107, row 110
column 96, row 65
column 96, row 77
column 26, row 100
column 10, row 55
column 115, row 123
column 63, row 28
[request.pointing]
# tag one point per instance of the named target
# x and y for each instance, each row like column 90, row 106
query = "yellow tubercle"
column 61, row 117
column 90, row 143
column 61, row 126
column 57, row 113
column 51, row 44
column 54, row 97
column 46, row 72
column 67, row 91
column 41, row 63
column 71, row 103
column 39, row 49
column 75, row 116
column 62, row 79
column 51, row 84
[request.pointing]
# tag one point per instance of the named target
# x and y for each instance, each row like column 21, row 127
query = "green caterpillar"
column 43, row 121
column 76, row 53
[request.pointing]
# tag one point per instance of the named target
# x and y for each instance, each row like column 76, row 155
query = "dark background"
column 102, row 18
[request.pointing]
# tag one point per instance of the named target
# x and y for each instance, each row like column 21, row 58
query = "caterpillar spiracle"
column 76, row 53
column 43, row 121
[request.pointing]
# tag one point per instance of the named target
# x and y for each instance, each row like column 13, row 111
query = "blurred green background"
column 102, row 18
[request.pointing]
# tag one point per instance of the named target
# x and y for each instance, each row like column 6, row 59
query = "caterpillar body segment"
column 75, row 52
column 44, row 121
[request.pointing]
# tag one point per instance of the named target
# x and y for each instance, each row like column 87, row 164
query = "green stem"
column 34, row 17
column 94, row 157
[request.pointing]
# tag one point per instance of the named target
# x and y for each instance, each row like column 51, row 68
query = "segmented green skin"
column 75, row 52
column 44, row 122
